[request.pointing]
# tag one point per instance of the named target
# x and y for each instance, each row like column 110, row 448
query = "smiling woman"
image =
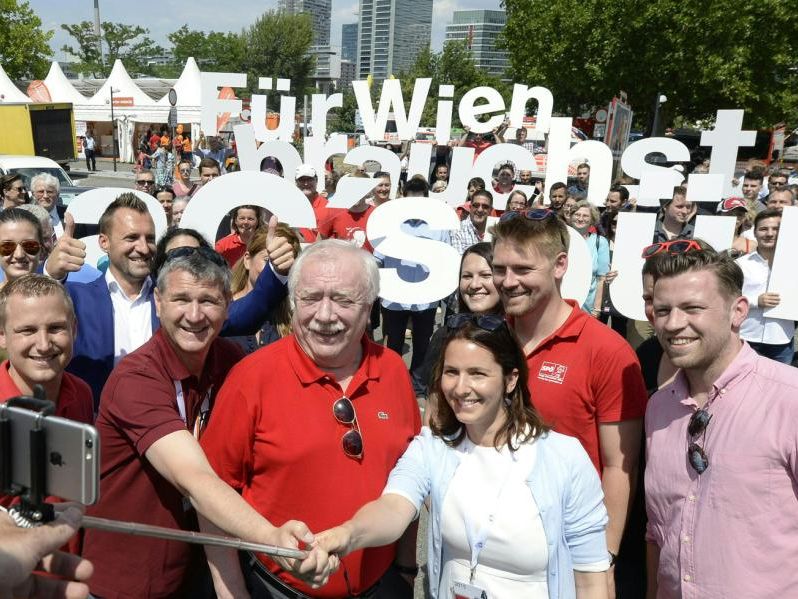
column 483, row 462
column 20, row 243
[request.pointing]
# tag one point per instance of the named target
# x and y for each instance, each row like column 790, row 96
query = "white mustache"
column 326, row 329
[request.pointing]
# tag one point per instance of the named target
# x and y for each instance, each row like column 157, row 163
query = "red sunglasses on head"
column 673, row 247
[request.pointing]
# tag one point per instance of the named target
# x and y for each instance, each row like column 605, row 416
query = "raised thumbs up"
column 281, row 254
column 69, row 225
column 68, row 255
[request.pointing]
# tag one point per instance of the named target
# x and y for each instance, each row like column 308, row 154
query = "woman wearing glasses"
column 516, row 510
column 584, row 218
column 21, row 243
column 182, row 184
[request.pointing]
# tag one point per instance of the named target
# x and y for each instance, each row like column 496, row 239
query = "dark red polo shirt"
column 585, row 374
column 138, row 406
column 273, row 436
column 74, row 397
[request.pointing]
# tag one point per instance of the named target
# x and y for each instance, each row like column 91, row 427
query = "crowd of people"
column 253, row 385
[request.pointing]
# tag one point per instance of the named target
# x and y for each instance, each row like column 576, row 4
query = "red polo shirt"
column 231, row 248
column 585, row 374
column 273, row 436
column 322, row 214
column 348, row 225
column 74, row 397
column 139, row 406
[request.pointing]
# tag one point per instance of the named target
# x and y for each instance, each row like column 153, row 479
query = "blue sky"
column 164, row 16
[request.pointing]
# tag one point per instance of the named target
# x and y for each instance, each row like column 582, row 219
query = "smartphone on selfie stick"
column 42, row 455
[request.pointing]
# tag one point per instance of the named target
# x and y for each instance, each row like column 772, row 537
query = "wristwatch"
column 613, row 558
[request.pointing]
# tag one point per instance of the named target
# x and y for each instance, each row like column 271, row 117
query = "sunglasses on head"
column 695, row 453
column 352, row 441
column 673, row 247
column 206, row 253
column 486, row 322
column 30, row 246
column 538, row 214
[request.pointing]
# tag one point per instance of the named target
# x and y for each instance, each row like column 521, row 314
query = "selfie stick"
column 197, row 538
column 33, row 510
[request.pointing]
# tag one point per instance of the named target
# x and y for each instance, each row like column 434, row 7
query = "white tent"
column 61, row 90
column 189, row 97
column 123, row 86
column 10, row 92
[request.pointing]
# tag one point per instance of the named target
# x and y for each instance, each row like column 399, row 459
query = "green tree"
column 277, row 45
column 129, row 43
column 213, row 51
column 453, row 66
column 24, row 52
column 703, row 56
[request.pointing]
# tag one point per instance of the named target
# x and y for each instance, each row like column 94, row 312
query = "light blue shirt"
column 563, row 482
column 410, row 271
column 599, row 249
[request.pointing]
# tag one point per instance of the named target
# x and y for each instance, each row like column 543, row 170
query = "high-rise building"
column 319, row 11
column 480, row 29
column 349, row 42
column 391, row 34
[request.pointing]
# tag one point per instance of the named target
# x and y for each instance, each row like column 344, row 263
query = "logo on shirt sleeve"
column 552, row 372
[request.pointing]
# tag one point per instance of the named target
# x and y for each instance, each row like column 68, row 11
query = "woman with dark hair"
column 21, row 243
column 476, row 294
column 516, row 510
column 175, row 238
column 245, row 276
column 244, row 221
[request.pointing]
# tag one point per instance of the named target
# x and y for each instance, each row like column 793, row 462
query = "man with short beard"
column 721, row 467
column 584, row 378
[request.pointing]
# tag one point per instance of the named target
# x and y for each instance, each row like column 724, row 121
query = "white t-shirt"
column 514, row 560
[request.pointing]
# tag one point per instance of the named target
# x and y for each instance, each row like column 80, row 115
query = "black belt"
column 256, row 567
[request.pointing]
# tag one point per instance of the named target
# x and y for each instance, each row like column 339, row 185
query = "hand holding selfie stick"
column 34, row 511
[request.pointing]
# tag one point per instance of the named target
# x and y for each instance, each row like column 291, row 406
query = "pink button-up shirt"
column 732, row 531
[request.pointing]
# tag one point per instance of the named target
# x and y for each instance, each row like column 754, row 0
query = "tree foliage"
column 24, row 50
column 213, row 51
column 129, row 43
column 277, row 45
column 453, row 66
column 702, row 55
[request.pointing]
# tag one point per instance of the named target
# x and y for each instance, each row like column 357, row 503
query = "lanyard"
column 479, row 538
column 199, row 422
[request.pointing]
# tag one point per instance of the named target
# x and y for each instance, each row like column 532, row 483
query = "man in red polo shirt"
column 584, row 378
column 350, row 225
column 153, row 471
column 312, row 425
column 307, row 181
column 37, row 330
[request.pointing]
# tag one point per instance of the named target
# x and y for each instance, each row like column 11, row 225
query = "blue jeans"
column 780, row 353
